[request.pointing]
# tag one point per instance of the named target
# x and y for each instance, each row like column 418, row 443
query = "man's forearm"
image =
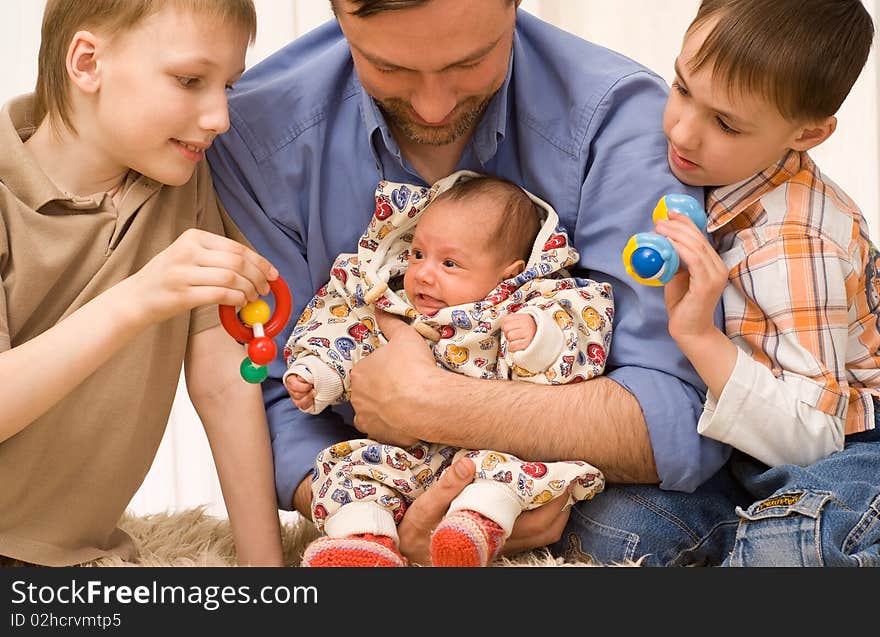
column 597, row 421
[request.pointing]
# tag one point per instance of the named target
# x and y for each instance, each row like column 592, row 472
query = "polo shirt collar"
column 489, row 133
column 727, row 202
column 18, row 168
column 23, row 175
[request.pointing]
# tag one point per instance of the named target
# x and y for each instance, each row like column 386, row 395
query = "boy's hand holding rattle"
column 650, row 258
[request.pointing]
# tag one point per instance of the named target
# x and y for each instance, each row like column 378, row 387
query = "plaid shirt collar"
column 727, row 202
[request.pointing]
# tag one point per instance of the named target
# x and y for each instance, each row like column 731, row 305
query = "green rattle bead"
column 253, row 373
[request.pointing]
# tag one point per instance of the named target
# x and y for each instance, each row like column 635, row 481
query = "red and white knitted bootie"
column 465, row 538
column 362, row 550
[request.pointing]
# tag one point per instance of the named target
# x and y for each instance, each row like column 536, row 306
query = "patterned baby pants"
column 366, row 471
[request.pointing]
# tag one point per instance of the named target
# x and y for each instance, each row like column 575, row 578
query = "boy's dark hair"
column 366, row 8
column 801, row 55
column 518, row 221
column 63, row 18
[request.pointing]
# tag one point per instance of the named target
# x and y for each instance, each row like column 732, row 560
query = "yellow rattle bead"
column 255, row 312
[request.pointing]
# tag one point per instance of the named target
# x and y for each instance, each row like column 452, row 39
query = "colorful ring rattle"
column 256, row 329
column 649, row 257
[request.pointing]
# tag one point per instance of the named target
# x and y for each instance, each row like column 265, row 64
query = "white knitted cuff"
column 491, row 499
column 361, row 517
column 327, row 383
column 547, row 345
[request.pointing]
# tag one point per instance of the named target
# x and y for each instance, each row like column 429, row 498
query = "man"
column 410, row 91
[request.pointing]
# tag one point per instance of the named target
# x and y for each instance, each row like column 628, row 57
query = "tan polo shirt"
column 66, row 478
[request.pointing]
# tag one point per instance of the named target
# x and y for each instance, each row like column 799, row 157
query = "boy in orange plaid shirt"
column 794, row 378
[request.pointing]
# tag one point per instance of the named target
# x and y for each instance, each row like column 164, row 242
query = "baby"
column 483, row 279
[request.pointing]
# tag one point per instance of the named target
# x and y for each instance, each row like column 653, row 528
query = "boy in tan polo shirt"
column 112, row 261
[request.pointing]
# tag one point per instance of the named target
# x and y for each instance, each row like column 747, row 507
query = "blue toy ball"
column 647, row 262
column 649, row 257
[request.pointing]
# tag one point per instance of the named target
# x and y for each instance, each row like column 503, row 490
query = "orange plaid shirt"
column 803, row 291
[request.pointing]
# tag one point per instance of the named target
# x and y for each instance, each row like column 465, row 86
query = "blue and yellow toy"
column 649, row 257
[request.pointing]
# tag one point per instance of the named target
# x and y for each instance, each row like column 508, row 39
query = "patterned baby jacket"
column 338, row 326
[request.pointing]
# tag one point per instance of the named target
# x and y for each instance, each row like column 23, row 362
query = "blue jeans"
column 827, row 514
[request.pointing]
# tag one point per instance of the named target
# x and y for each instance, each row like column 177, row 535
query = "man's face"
column 162, row 99
column 433, row 68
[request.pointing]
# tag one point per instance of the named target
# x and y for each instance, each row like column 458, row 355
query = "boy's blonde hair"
column 63, row 18
column 803, row 56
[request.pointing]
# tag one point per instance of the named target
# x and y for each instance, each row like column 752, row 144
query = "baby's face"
column 453, row 259
column 717, row 136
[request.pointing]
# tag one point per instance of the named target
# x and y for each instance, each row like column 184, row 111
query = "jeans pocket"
column 782, row 530
column 862, row 544
column 790, row 502
column 585, row 539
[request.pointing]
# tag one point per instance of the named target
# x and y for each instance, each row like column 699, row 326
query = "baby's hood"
column 384, row 248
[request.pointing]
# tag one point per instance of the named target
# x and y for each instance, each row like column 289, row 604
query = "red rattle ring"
column 256, row 328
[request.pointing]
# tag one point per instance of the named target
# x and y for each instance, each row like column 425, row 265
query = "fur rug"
column 193, row 538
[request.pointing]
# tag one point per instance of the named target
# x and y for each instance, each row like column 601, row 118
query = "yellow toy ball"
column 255, row 312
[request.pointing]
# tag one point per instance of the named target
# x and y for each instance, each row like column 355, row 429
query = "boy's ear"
column 814, row 133
column 513, row 269
column 82, row 62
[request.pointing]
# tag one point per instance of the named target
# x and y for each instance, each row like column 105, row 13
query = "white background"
column 649, row 31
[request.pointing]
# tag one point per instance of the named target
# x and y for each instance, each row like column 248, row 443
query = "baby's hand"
column 301, row 391
column 519, row 330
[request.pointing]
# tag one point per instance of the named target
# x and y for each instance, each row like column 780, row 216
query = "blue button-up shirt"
column 576, row 124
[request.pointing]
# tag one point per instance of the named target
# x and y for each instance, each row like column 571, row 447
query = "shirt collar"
column 493, row 125
column 489, row 133
column 375, row 122
column 727, row 202
column 22, row 174
column 18, row 168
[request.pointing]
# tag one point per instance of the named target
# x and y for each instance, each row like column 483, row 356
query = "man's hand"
column 301, row 391
column 382, row 384
column 519, row 330
column 533, row 529
column 302, row 498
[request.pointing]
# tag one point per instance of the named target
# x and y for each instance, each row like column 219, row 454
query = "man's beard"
column 400, row 114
